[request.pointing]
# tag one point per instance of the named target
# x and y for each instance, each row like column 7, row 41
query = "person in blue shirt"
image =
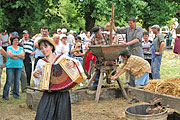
column 14, row 66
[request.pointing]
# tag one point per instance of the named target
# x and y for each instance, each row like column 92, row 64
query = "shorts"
column 142, row 80
column 120, row 59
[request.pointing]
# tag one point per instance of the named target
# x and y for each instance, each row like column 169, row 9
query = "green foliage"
column 33, row 14
column 3, row 20
column 157, row 12
column 62, row 14
column 17, row 15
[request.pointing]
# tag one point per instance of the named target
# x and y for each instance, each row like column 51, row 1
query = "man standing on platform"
column 99, row 38
column 134, row 35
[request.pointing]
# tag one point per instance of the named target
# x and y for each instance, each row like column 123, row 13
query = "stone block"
column 33, row 98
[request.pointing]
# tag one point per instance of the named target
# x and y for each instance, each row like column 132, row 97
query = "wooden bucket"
column 138, row 112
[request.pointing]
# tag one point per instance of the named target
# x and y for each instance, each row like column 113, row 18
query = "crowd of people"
column 142, row 58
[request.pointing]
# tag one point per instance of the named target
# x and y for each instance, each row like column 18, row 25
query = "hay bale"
column 152, row 85
column 165, row 86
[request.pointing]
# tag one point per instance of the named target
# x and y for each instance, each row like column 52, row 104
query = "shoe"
column 5, row 98
column 134, row 100
column 24, row 91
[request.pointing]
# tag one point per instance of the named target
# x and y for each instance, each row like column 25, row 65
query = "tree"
column 157, row 12
column 62, row 14
column 17, row 15
column 91, row 10
column 22, row 14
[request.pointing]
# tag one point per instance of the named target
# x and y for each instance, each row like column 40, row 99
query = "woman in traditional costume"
column 54, row 105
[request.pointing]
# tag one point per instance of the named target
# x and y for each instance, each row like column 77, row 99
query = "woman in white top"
column 63, row 48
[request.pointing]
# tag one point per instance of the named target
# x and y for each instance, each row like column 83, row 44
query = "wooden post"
column 112, row 19
column 98, row 92
column 122, row 88
column 92, row 77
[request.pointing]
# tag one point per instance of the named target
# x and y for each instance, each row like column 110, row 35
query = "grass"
column 170, row 68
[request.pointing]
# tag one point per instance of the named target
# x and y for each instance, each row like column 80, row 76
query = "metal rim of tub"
column 164, row 113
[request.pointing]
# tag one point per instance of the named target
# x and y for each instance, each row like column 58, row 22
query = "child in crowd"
column 77, row 50
column 147, row 49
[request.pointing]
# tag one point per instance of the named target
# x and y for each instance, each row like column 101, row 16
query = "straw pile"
column 165, row 86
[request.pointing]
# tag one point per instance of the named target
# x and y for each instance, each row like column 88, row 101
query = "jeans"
column 23, row 81
column 155, row 66
column 95, row 83
column 10, row 73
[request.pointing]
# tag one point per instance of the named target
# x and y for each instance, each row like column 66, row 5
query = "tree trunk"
column 89, row 21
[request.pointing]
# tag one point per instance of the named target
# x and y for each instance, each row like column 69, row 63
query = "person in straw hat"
column 54, row 105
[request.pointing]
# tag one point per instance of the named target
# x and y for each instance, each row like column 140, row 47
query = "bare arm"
column 114, row 27
column 133, row 42
column 12, row 55
column 3, row 52
column 36, row 45
column 120, row 72
column 74, row 50
column 32, row 53
column 82, row 54
column 21, row 55
column 5, row 42
column 161, row 48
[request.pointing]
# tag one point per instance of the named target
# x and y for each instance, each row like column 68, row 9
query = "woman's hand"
column 70, row 64
column 37, row 73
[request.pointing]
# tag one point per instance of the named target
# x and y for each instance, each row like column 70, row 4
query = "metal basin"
column 107, row 52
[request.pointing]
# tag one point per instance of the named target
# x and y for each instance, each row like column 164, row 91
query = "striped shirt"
column 28, row 46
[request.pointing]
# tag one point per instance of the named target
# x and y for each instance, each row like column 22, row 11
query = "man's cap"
column 95, row 30
column 15, row 34
column 156, row 26
column 64, row 30
column 25, row 32
column 74, row 31
column 71, row 32
column 48, row 39
column 58, row 29
column 63, row 36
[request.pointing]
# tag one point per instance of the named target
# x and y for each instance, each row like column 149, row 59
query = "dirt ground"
column 88, row 110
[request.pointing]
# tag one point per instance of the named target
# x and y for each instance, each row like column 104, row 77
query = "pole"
column 112, row 19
